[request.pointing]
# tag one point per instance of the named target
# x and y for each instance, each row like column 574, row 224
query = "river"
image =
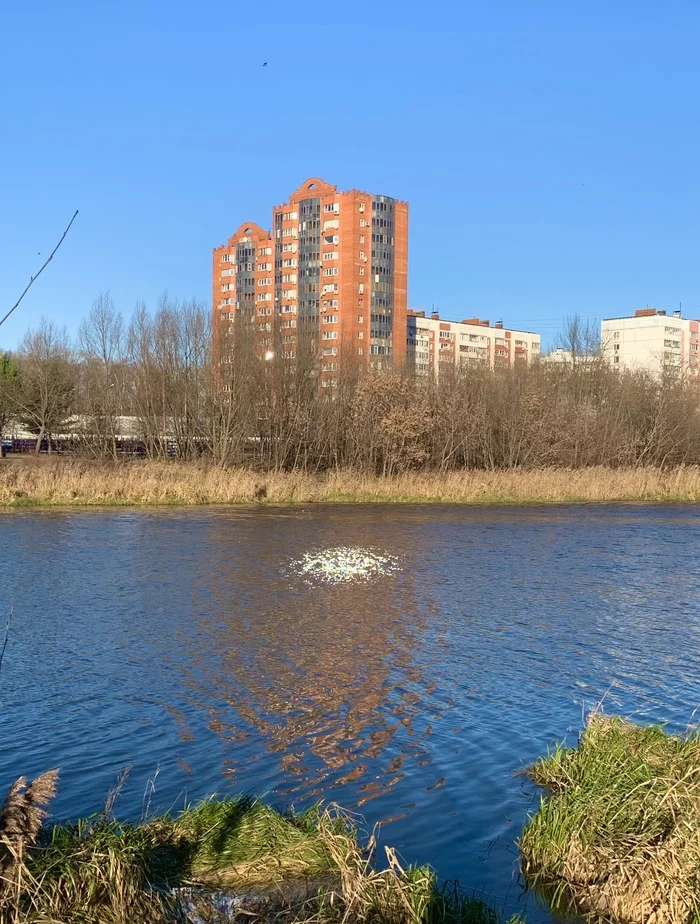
column 184, row 643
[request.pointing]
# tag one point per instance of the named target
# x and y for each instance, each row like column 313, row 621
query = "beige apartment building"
column 435, row 345
column 654, row 341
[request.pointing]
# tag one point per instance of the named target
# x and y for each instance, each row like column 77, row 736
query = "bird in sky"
column 265, row 64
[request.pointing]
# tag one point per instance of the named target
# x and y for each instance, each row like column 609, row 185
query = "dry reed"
column 81, row 483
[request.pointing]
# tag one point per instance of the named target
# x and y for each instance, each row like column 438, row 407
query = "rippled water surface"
column 184, row 643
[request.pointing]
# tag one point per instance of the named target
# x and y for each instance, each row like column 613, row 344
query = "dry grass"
column 290, row 869
column 71, row 482
column 618, row 838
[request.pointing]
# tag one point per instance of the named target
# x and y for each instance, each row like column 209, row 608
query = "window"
column 330, row 351
column 264, row 267
column 520, row 343
column 226, row 286
column 361, row 270
column 360, row 319
column 330, row 303
column 676, row 344
column 617, row 359
column 361, row 288
column 289, row 277
column 672, row 330
column 265, row 281
column 360, row 335
column 228, row 272
column 226, row 258
column 331, row 255
column 289, row 248
column 363, row 223
column 362, row 206
column 331, row 271
column 329, row 335
column 360, row 302
column 290, row 262
column 360, row 351
column 329, row 287
column 330, row 319
column 331, row 223
column 289, row 216
column 289, row 322
column 616, row 334
column 289, row 232
column 264, row 296
column 289, row 293
column 332, row 207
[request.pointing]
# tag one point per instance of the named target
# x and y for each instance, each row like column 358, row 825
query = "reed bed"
column 46, row 481
column 618, row 836
column 218, row 861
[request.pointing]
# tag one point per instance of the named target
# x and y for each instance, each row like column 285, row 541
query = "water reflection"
column 324, row 676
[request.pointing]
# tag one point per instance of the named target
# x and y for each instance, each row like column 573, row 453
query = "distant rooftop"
column 647, row 313
column 477, row 322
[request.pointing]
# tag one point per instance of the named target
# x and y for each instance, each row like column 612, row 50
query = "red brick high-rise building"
column 333, row 271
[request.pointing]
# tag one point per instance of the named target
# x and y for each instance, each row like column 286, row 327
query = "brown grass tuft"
column 619, row 836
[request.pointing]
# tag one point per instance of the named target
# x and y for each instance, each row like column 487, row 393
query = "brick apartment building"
column 653, row 341
column 434, row 345
column 334, row 270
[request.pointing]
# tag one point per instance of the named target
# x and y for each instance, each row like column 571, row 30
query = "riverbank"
column 618, row 836
column 219, row 861
column 50, row 481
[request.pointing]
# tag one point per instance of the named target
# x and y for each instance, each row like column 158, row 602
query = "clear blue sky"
column 549, row 150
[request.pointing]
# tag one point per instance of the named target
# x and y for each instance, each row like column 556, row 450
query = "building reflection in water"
column 326, row 683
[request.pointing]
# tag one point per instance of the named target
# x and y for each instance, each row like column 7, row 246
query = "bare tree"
column 101, row 339
column 580, row 338
column 48, row 378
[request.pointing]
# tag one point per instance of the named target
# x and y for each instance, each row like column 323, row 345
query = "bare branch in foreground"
column 34, row 278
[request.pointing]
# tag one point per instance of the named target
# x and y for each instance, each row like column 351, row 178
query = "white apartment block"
column 434, row 345
column 654, row 341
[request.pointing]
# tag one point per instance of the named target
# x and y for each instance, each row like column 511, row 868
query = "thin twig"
column 7, row 632
column 34, row 278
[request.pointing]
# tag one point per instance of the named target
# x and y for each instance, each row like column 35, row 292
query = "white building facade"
column 434, row 345
column 654, row 341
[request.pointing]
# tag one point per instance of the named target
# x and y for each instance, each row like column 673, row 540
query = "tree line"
column 235, row 408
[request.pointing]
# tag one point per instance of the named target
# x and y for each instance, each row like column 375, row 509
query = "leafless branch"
column 7, row 633
column 34, row 278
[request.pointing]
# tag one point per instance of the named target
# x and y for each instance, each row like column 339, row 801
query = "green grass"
column 618, row 834
column 306, row 867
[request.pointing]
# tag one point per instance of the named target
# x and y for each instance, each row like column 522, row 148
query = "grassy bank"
column 220, row 859
column 618, row 836
column 46, row 481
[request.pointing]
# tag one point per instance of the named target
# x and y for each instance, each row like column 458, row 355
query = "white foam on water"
column 343, row 565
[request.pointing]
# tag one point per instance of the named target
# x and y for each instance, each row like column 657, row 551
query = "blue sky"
column 549, row 150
